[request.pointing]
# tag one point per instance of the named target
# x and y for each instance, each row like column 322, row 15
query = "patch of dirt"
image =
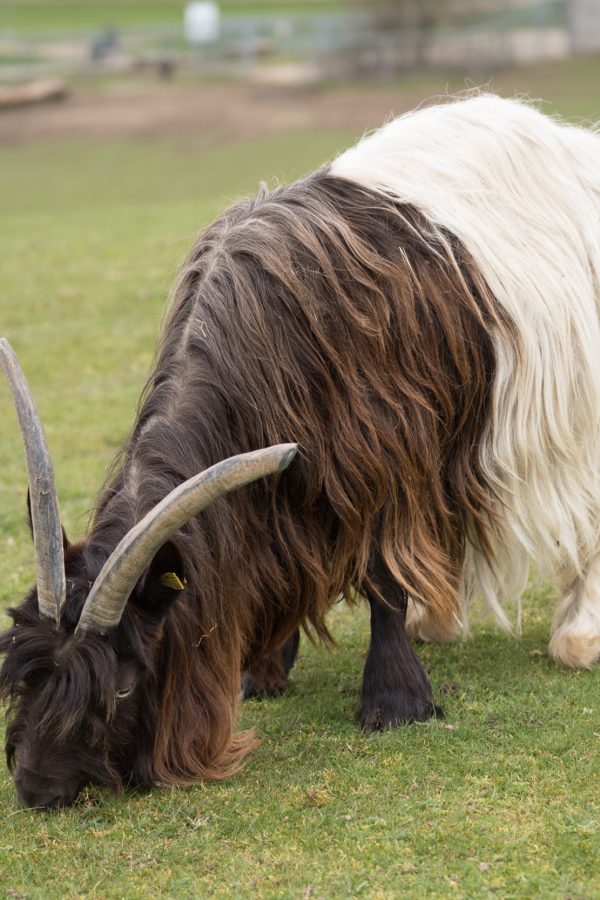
column 227, row 112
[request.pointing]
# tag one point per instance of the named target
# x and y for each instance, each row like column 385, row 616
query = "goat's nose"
column 36, row 792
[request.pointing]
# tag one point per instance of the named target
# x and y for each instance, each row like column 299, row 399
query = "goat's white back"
column 522, row 193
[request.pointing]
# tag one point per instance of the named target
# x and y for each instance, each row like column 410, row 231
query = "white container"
column 201, row 22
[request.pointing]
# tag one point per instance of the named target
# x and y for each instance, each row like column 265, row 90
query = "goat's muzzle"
column 37, row 791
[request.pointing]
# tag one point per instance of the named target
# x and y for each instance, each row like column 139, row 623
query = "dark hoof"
column 389, row 714
column 250, row 690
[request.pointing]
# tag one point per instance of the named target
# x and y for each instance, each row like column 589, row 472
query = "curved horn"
column 108, row 597
column 45, row 516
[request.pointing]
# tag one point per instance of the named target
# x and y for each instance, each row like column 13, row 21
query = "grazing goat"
column 421, row 317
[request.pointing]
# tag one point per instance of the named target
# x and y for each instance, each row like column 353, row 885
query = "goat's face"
column 81, row 657
column 80, row 706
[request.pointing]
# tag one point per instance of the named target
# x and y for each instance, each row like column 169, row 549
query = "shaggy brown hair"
column 323, row 314
column 332, row 316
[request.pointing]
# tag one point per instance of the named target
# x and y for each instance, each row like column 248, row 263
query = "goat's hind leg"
column 422, row 627
column 395, row 689
column 575, row 641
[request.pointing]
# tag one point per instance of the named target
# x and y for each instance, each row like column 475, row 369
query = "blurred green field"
column 498, row 800
column 46, row 15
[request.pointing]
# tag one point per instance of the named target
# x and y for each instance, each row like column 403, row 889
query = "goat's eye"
column 123, row 692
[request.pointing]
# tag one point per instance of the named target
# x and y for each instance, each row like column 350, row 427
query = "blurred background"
column 290, row 42
column 126, row 126
column 85, row 85
column 237, row 68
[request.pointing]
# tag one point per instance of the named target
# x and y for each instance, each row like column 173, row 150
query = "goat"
column 421, row 318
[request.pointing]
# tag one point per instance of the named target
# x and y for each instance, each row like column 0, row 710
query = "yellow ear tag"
column 171, row 580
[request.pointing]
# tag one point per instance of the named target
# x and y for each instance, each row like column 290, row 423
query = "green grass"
column 37, row 17
column 500, row 799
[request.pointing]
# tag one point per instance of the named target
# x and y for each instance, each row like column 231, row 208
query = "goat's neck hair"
column 338, row 318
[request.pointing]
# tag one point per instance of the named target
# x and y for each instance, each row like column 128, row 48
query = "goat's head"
column 80, row 661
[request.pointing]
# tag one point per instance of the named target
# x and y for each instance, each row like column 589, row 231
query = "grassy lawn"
column 46, row 15
column 500, row 799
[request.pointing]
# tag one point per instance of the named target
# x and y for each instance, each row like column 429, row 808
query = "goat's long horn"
column 45, row 516
column 108, row 597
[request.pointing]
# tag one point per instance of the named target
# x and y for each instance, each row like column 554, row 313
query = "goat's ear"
column 30, row 523
column 162, row 583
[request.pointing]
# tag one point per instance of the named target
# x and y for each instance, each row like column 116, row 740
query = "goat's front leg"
column 396, row 688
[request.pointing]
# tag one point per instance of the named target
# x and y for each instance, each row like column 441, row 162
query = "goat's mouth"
column 44, row 792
